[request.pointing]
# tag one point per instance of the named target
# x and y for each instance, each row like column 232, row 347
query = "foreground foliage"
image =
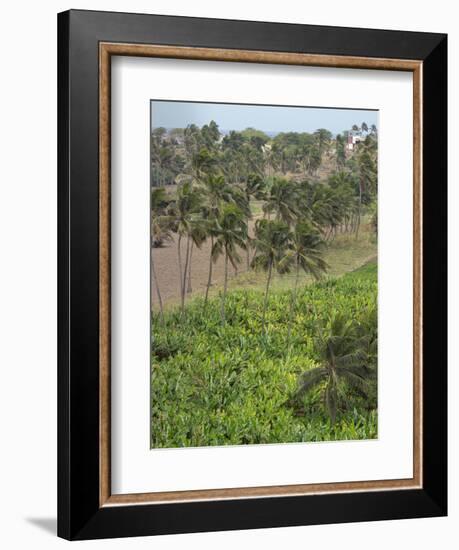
column 215, row 384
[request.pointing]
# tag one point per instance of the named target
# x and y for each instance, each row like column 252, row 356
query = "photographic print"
column 263, row 274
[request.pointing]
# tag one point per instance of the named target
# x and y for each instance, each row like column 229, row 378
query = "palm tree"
column 346, row 364
column 323, row 138
column 272, row 239
column 161, row 155
column 230, row 232
column 254, row 188
column 282, row 200
column 367, row 180
column 199, row 164
column 211, row 229
column 198, row 234
column 343, row 185
column 185, row 215
column 325, row 209
column 216, row 192
column 155, row 280
column 314, row 159
column 160, row 222
column 202, row 163
column 364, row 127
column 340, row 153
column 305, row 252
column 161, row 231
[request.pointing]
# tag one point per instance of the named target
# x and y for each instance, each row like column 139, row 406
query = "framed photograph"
column 252, row 275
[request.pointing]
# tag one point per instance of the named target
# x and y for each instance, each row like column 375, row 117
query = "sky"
column 179, row 114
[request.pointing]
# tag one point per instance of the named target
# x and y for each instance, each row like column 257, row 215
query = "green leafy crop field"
column 233, row 383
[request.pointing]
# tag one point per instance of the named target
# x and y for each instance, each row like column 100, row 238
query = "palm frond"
column 353, row 359
column 310, row 379
column 357, row 383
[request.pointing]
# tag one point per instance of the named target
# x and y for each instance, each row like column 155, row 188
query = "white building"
column 352, row 140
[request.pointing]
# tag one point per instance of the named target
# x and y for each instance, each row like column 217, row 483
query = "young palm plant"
column 230, row 234
column 347, row 363
column 272, row 240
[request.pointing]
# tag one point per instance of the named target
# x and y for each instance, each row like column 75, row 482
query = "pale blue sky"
column 178, row 114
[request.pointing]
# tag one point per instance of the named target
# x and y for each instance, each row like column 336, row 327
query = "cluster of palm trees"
column 365, row 129
column 207, row 208
column 241, row 153
column 298, row 217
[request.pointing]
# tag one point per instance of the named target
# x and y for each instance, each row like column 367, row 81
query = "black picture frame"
column 80, row 515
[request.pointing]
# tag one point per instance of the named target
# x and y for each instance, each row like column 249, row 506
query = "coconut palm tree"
column 216, row 192
column 254, row 188
column 202, row 163
column 185, row 215
column 323, row 139
column 347, row 358
column 199, row 164
column 198, row 234
column 282, row 200
column 305, row 253
column 272, row 239
column 156, row 285
column 161, row 231
column 367, row 180
column 325, row 209
column 340, row 152
column 230, row 232
column 160, row 222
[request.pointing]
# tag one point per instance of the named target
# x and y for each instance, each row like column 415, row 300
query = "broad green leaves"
column 231, row 384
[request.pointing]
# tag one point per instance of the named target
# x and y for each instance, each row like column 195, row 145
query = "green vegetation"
column 282, row 361
column 215, row 384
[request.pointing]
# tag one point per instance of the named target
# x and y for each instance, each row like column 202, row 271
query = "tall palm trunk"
column 185, row 272
column 179, row 253
column 360, row 209
column 189, row 289
column 225, row 286
column 248, row 247
column 155, row 279
column 268, row 282
column 293, row 301
column 209, row 280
